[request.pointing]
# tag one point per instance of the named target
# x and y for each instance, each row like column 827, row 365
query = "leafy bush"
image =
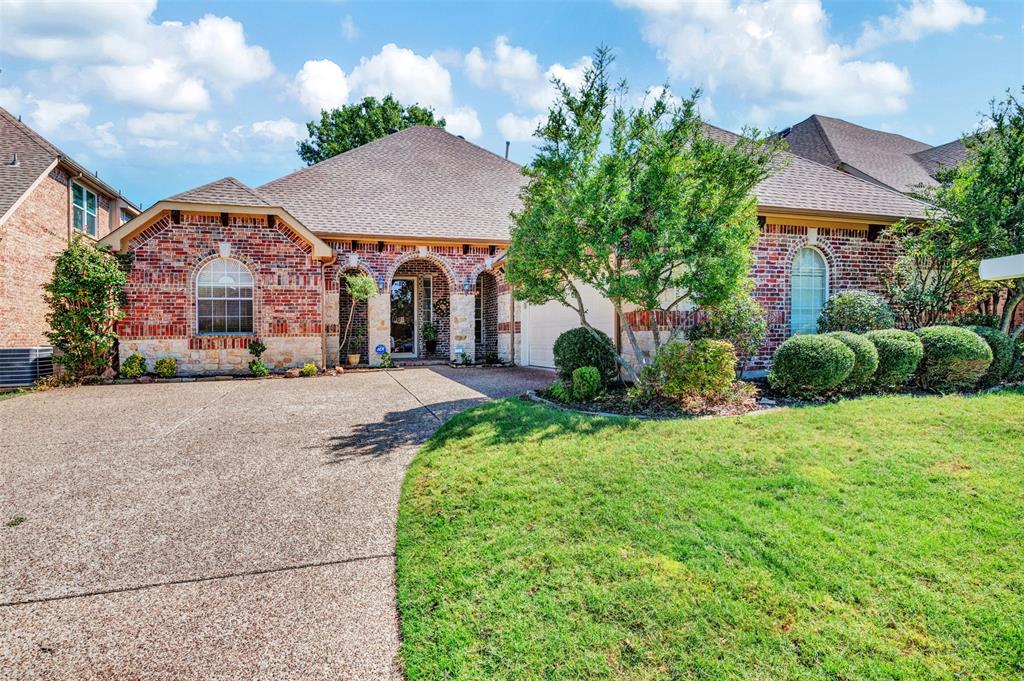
column 1017, row 365
column 85, row 296
column 899, row 353
column 954, row 359
column 309, row 369
column 560, row 391
column 134, row 366
column 977, row 319
column 586, row 383
column 865, row 359
column 856, row 312
column 810, row 366
column 702, row 369
column 741, row 321
column 582, row 347
column 258, row 368
column 1002, row 349
column 257, row 348
column 166, row 367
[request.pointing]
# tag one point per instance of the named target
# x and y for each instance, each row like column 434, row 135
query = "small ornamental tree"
column 360, row 287
column 647, row 205
column 85, row 297
column 353, row 125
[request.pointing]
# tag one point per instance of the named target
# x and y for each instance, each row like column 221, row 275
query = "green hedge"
column 702, row 369
column 1002, row 349
column 810, row 366
column 899, row 354
column 133, row 366
column 865, row 359
column 954, row 359
column 581, row 347
column 856, row 312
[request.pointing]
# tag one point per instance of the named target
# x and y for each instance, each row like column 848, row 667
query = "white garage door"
column 542, row 324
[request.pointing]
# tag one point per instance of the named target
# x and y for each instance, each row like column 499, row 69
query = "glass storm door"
column 403, row 316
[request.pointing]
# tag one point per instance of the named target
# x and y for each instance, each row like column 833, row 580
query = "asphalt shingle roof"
column 808, row 186
column 896, row 161
column 227, row 191
column 418, row 182
column 943, row 156
column 34, row 153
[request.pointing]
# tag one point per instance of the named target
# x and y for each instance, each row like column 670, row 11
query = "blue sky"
column 161, row 97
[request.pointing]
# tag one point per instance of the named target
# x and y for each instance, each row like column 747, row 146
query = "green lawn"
column 880, row 538
column 9, row 394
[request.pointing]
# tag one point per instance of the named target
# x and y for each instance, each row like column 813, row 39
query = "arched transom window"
column 809, row 283
column 224, row 298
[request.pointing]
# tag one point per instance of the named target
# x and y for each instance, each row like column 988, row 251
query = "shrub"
column 166, row 367
column 865, row 359
column 560, row 391
column 1003, row 354
column 582, row 347
column 702, row 369
column 954, row 359
column 134, row 366
column 741, row 321
column 84, row 296
column 258, row 368
column 977, row 319
column 257, row 348
column 309, row 369
column 810, row 366
column 586, row 383
column 856, row 312
column 899, row 353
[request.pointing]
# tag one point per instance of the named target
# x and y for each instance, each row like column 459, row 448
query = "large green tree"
column 353, row 125
column 641, row 203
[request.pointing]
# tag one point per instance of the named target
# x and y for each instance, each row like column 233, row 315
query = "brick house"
column 426, row 215
column 46, row 198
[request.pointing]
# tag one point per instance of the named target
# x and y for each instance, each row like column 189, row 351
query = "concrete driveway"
column 236, row 529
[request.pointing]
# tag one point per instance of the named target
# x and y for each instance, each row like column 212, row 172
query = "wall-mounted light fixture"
column 380, row 282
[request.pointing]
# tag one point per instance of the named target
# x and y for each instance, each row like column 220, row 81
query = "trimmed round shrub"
column 166, row 367
column 865, row 359
column 810, row 366
column 702, row 369
column 856, row 312
column 740, row 320
column 954, row 359
column 133, row 366
column 899, row 353
column 1002, row 349
column 579, row 347
column 309, row 369
column 586, row 383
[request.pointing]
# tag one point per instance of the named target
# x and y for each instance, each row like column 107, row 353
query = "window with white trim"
column 427, row 291
column 224, row 298
column 809, row 290
column 83, row 209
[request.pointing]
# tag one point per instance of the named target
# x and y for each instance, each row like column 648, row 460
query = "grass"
column 8, row 394
column 880, row 538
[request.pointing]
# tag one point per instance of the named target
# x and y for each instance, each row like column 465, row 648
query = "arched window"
column 809, row 284
column 224, row 298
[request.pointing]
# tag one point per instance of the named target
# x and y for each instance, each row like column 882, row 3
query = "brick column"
column 463, row 313
column 378, row 326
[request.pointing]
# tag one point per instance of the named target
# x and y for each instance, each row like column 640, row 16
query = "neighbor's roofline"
column 119, row 238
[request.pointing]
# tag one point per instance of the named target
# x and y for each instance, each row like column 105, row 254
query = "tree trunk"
column 1014, row 297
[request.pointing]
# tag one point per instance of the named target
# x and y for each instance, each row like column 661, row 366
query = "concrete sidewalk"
column 215, row 529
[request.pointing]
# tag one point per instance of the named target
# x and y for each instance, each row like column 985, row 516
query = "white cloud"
column 349, row 30
column 516, row 128
column 118, row 46
column 463, row 121
column 411, row 78
column 517, row 72
column 321, row 84
column 280, row 130
column 12, row 99
column 776, row 53
column 167, row 129
column 51, row 115
column 916, row 20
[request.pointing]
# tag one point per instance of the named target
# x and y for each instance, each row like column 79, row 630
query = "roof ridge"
column 875, row 185
column 824, row 138
column 32, row 135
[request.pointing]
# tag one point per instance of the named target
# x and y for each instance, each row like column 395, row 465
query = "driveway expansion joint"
column 197, row 580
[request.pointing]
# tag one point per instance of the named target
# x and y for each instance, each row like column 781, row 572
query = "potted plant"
column 429, row 332
column 356, row 341
column 360, row 287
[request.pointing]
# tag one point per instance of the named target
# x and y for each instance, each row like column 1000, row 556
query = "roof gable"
column 227, row 191
column 418, row 182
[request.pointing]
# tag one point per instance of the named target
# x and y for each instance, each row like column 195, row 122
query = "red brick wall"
column 167, row 257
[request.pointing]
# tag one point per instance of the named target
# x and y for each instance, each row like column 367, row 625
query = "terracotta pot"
column 431, row 346
column 353, row 359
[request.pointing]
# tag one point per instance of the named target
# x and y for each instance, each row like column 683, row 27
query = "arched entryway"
column 485, row 326
column 357, row 342
column 420, row 291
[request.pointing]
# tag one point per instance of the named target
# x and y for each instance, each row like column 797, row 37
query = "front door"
column 403, row 317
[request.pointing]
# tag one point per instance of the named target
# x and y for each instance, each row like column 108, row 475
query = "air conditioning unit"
column 20, row 367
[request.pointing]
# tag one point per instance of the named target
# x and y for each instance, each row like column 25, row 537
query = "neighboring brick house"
column 427, row 215
column 45, row 199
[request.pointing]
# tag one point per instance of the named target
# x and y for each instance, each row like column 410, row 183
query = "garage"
column 542, row 324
